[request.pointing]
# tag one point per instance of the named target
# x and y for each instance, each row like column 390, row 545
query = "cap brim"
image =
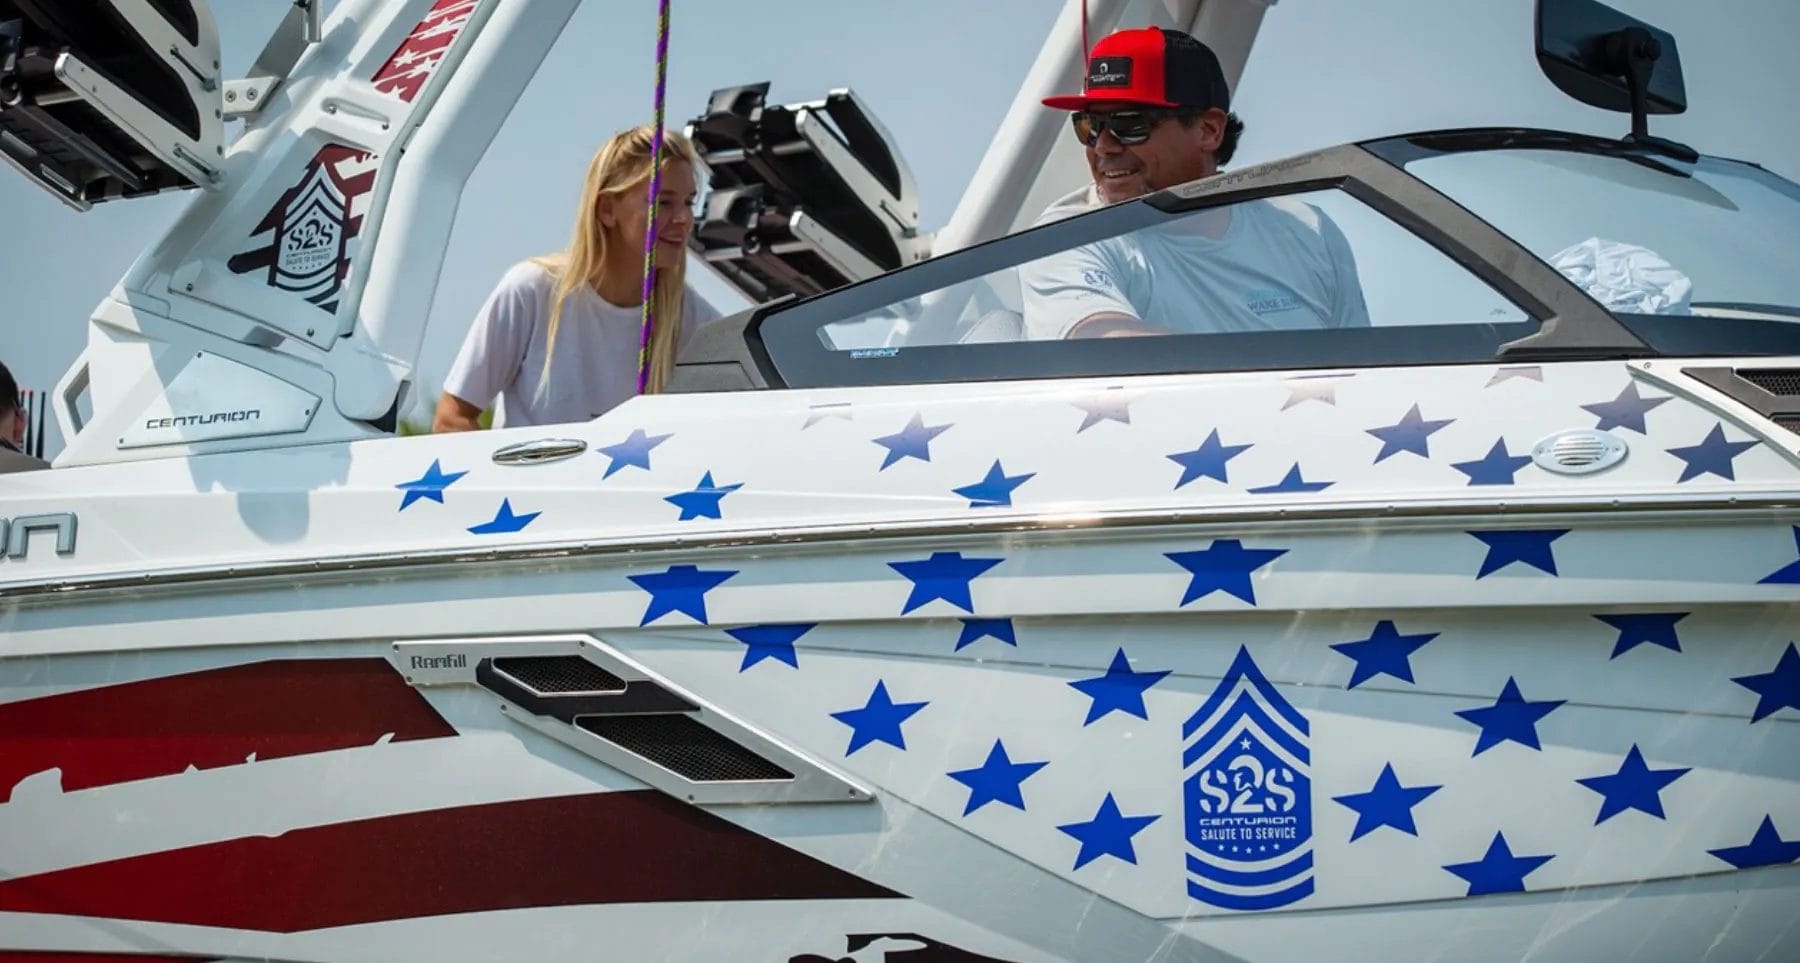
column 1084, row 101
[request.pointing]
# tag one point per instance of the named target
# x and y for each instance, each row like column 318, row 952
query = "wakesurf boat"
column 895, row 630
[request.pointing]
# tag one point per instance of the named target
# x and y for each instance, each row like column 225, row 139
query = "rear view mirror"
column 1586, row 47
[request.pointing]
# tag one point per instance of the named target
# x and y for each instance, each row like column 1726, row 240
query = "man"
column 12, row 429
column 1155, row 113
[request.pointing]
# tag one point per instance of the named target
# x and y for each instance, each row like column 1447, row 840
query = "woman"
column 558, row 340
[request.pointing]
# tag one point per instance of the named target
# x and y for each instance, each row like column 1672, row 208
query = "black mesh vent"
column 680, row 744
column 560, row 674
column 1790, row 422
column 1776, row 381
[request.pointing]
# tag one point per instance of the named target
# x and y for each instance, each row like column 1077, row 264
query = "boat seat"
column 109, row 99
column 998, row 325
column 802, row 198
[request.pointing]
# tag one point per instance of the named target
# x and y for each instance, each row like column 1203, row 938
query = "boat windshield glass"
column 1642, row 234
column 1315, row 277
column 1310, row 261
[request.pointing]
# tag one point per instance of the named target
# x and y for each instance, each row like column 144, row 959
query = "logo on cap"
column 1109, row 72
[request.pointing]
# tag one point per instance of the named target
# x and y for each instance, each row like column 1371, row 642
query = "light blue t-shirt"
column 1279, row 264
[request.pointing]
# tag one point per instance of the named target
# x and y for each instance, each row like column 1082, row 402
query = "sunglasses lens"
column 1129, row 129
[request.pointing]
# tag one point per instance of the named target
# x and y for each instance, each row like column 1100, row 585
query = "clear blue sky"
column 939, row 74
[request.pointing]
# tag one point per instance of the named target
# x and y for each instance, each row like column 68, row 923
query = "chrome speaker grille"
column 683, row 746
column 559, row 674
column 1580, row 451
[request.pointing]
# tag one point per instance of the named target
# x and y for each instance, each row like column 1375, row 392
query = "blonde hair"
column 621, row 168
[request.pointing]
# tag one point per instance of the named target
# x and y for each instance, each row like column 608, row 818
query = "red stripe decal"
column 618, row 847
column 27, row 956
column 219, row 717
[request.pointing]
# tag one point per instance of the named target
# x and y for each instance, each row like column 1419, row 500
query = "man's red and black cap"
column 1153, row 67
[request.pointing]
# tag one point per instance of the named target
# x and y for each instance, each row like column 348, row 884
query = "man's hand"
column 455, row 414
column 1113, row 324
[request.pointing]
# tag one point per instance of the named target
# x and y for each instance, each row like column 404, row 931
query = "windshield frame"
column 783, row 338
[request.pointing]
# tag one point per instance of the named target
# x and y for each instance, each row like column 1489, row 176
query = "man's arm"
column 1079, row 294
column 1347, row 307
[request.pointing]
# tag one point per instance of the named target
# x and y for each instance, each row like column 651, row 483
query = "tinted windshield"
column 1310, row 261
column 1642, row 235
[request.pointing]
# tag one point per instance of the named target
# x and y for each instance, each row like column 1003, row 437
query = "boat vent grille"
column 1776, row 381
column 1790, row 422
column 559, row 674
column 680, row 744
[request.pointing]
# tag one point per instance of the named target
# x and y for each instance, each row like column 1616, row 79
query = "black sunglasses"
column 1128, row 127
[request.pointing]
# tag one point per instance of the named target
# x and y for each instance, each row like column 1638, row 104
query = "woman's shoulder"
column 537, row 273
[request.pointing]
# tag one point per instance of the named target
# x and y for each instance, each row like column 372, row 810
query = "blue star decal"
column 1384, row 652
column 1113, row 404
column 1528, row 547
column 945, row 575
column 1788, row 574
column 999, row 779
column 1634, row 786
column 762, row 642
column 1107, row 834
column 1655, row 628
column 1776, row 689
column 878, row 720
column 1766, row 848
column 1292, row 483
column 429, row 485
column 1387, row 804
column 1499, row 871
column 1119, row 689
column 995, row 489
column 633, row 452
column 1209, row 459
column 1411, row 433
column 974, row 630
column 913, row 441
column 1497, row 467
column 1625, row 411
column 681, row 589
column 703, row 501
column 1509, row 719
column 1224, row 566
column 505, row 522
column 1712, row 456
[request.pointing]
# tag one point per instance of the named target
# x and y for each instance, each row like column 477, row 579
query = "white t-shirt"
column 595, row 367
column 1280, row 264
